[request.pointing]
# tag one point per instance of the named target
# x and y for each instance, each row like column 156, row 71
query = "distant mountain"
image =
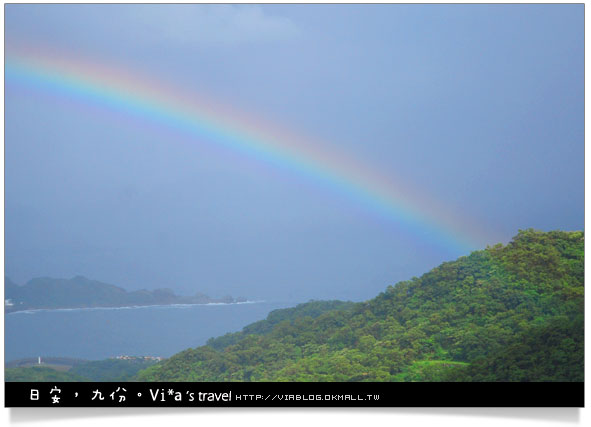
column 506, row 313
column 80, row 292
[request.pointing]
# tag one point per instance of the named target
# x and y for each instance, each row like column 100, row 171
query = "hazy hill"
column 78, row 292
column 506, row 313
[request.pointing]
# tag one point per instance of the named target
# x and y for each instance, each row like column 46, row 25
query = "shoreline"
column 128, row 307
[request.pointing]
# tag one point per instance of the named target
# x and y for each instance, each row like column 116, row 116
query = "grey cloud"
column 212, row 24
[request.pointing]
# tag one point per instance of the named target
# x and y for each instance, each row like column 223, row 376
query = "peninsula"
column 80, row 292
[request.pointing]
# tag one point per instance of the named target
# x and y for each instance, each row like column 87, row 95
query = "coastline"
column 127, row 307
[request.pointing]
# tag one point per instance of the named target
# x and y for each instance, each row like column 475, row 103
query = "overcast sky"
column 477, row 107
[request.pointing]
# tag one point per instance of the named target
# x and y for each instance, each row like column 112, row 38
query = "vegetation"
column 59, row 363
column 506, row 313
column 311, row 309
column 100, row 370
column 111, row 369
column 40, row 374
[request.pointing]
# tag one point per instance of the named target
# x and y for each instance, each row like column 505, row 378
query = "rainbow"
column 121, row 91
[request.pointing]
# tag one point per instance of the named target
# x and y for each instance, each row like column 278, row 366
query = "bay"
column 100, row 333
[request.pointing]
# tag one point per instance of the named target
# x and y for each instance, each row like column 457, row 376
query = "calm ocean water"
column 142, row 331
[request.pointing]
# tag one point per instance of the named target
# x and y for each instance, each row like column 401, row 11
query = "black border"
column 296, row 394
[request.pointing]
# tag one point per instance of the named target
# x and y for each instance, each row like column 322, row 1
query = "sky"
column 471, row 117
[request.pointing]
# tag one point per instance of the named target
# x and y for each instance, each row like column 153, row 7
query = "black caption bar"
column 185, row 394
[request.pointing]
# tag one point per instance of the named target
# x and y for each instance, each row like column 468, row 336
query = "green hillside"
column 95, row 370
column 40, row 374
column 110, row 369
column 506, row 313
column 311, row 309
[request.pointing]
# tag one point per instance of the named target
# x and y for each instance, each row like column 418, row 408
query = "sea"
column 100, row 333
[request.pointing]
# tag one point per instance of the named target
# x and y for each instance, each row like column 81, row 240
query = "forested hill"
column 310, row 309
column 506, row 313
